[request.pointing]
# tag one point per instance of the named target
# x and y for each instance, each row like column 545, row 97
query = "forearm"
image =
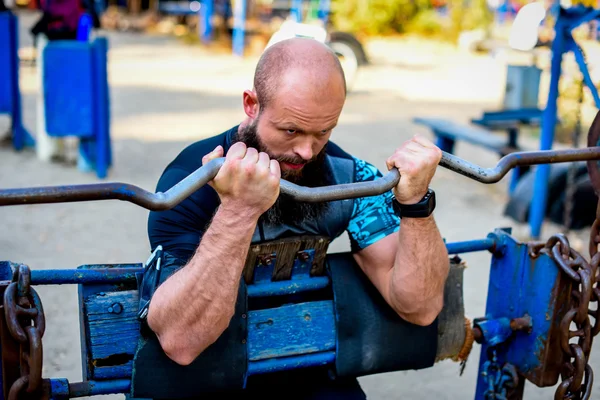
column 192, row 308
column 420, row 270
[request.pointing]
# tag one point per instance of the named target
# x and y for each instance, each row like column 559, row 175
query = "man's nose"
column 305, row 150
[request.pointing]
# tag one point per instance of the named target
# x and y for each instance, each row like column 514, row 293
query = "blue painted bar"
column 470, row 246
column 95, row 388
column 205, row 15
column 540, row 187
column 103, row 274
column 239, row 27
column 580, row 59
column 296, row 10
column 84, row 28
column 126, row 273
column 59, row 388
column 279, row 288
column 288, row 363
column 324, row 10
column 10, row 93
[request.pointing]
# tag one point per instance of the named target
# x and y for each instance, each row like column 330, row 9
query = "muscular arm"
column 192, row 308
column 409, row 268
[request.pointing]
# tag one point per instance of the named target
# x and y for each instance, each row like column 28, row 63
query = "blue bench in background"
column 481, row 133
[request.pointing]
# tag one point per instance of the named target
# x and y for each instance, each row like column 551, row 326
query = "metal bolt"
column 116, row 308
column 523, row 323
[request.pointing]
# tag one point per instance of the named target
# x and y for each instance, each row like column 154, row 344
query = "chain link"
column 500, row 379
column 577, row 376
column 26, row 323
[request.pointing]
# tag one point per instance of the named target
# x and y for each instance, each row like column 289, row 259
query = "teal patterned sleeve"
column 373, row 217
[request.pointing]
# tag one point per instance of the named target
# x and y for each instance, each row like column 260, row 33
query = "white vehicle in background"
column 348, row 49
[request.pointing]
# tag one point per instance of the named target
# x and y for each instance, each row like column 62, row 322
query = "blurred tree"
column 427, row 17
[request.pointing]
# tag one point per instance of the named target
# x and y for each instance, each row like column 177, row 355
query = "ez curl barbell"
column 172, row 197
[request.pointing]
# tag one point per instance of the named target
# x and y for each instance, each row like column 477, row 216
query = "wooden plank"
column 112, row 333
column 291, row 330
column 113, row 372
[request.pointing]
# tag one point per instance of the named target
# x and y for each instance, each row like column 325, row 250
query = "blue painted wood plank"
column 292, row 329
column 68, row 88
column 112, row 333
column 113, row 372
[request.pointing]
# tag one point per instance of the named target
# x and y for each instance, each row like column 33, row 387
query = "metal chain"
column 577, row 376
column 500, row 379
column 26, row 323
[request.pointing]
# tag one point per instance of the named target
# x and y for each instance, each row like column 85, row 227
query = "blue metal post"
column 239, row 27
column 10, row 101
column 540, row 194
column 95, row 151
column 324, row 10
column 204, row 17
column 297, row 10
column 84, row 28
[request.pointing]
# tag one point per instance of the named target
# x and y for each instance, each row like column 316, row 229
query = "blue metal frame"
column 566, row 21
column 519, row 286
column 10, row 93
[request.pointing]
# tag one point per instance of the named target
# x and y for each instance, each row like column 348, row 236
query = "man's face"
column 294, row 130
column 298, row 121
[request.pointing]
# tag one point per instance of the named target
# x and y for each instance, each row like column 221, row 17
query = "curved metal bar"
column 518, row 159
column 169, row 199
column 164, row 201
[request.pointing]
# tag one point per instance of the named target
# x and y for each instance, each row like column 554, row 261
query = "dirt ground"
column 165, row 95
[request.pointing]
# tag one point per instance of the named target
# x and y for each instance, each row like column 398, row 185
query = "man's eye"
column 291, row 131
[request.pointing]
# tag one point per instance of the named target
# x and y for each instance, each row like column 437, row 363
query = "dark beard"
column 315, row 173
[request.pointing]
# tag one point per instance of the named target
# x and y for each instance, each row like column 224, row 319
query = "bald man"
column 299, row 92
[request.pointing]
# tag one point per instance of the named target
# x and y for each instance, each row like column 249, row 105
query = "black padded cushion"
column 371, row 337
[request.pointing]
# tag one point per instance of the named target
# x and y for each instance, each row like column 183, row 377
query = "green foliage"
column 426, row 23
column 381, row 17
column 375, row 17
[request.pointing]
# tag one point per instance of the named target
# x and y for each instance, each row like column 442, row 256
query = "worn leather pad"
column 371, row 337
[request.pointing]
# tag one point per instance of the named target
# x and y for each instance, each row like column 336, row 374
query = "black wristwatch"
column 422, row 209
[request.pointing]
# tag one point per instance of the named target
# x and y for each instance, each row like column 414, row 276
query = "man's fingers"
column 423, row 141
column 237, row 151
column 275, row 168
column 251, row 156
column 263, row 160
column 216, row 153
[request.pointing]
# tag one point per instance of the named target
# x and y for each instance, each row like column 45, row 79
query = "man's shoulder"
column 190, row 158
column 363, row 170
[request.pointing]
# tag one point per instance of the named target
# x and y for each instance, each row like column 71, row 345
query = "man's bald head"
column 314, row 60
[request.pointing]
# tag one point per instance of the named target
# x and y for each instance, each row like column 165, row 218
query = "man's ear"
column 251, row 106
